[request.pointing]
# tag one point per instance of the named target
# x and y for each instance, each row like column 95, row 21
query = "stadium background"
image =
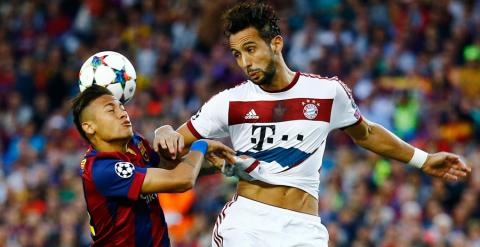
column 414, row 67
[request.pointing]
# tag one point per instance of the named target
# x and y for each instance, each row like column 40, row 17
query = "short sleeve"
column 211, row 121
column 344, row 110
column 116, row 178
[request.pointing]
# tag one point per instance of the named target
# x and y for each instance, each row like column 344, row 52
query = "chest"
column 293, row 122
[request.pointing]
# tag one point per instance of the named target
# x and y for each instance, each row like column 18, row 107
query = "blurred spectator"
column 414, row 67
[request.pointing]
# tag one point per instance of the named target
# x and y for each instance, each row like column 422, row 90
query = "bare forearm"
column 381, row 141
column 179, row 179
column 190, row 167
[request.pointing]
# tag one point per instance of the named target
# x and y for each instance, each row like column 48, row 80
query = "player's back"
column 119, row 214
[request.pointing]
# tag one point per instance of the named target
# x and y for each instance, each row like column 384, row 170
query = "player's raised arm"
column 381, row 141
column 183, row 176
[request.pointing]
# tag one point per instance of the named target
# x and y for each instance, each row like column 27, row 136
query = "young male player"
column 281, row 119
column 121, row 173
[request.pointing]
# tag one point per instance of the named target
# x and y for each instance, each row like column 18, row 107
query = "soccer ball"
column 111, row 70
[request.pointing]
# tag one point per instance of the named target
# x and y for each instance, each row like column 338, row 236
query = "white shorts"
column 248, row 223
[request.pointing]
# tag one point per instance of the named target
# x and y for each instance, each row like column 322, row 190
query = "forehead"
column 104, row 100
column 247, row 35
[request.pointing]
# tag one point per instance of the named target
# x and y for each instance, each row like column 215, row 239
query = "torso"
column 119, row 214
column 286, row 130
column 279, row 196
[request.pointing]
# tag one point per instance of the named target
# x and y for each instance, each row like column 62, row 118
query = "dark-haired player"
column 281, row 119
column 121, row 177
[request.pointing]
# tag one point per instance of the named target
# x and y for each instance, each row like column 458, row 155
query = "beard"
column 268, row 73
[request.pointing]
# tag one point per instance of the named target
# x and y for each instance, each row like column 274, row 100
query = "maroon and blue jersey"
column 119, row 214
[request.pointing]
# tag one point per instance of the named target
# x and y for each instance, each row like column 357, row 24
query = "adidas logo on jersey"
column 251, row 115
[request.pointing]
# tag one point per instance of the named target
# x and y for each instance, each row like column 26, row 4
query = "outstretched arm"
column 184, row 175
column 381, row 141
column 171, row 145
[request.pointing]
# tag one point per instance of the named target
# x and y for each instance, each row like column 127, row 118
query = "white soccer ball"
column 111, row 70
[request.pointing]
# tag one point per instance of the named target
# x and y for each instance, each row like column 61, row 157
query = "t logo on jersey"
column 263, row 132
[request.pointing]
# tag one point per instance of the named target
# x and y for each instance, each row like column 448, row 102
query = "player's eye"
column 251, row 49
column 236, row 54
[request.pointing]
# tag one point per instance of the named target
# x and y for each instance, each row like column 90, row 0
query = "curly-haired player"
column 280, row 119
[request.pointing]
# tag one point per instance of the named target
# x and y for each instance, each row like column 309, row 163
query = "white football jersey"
column 285, row 130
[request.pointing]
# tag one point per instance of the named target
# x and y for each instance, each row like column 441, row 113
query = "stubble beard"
column 268, row 73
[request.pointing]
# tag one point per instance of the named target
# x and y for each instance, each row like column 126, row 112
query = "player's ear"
column 277, row 44
column 88, row 127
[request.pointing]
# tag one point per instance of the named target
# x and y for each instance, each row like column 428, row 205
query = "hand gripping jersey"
column 119, row 214
column 285, row 131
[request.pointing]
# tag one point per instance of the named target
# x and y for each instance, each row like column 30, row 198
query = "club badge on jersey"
column 143, row 151
column 82, row 164
column 310, row 109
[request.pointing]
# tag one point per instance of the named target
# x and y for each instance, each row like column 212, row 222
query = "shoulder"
column 242, row 84
column 105, row 170
column 323, row 83
column 99, row 162
column 319, row 79
column 239, row 90
column 104, row 158
column 230, row 94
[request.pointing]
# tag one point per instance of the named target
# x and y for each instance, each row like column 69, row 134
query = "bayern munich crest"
column 310, row 109
column 124, row 169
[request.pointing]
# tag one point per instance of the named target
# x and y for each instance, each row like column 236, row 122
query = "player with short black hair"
column 121, row 174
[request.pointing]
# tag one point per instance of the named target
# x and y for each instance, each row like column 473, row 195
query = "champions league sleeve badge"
column 124, row 169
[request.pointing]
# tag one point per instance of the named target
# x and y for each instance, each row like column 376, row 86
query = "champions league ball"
column 111, row 70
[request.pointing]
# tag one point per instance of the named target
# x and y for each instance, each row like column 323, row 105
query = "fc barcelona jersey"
column 119, row 214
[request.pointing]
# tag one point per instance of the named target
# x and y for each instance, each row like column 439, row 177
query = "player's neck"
column 111, row 146
column 282, row 78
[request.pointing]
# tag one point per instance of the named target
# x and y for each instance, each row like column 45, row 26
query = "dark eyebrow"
column 249, row 43
column 245, row 44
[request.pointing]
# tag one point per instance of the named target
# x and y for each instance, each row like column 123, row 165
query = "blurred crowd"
column 413, row 65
